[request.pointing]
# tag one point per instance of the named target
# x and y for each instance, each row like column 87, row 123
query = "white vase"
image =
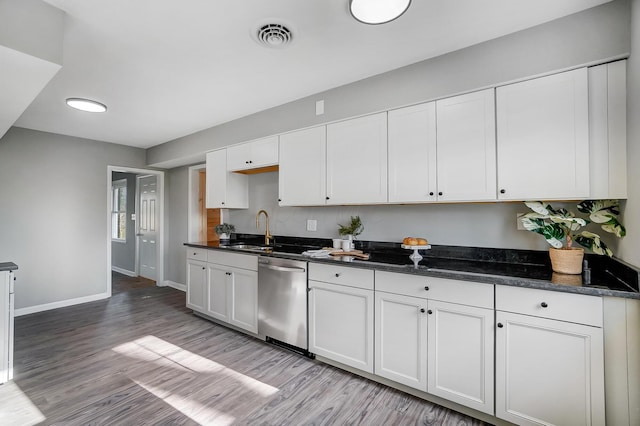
column 224, row 236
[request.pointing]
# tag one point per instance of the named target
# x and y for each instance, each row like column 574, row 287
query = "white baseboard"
column 124, row 271
column 175, row 285
column 60, row 304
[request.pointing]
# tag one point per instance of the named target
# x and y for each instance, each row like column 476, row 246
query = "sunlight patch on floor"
column 154, row 349
column 195, row 411
column 16, row 408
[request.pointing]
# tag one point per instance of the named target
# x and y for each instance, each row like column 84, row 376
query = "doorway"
column 140, row 226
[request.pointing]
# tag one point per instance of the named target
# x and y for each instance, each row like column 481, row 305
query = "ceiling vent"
column 274, row 35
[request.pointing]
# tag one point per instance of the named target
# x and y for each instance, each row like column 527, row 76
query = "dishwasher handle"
column 281, row 268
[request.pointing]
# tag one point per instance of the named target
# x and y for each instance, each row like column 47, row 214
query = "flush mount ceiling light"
column 274, row 35
column 86, row 105
column 377, row 11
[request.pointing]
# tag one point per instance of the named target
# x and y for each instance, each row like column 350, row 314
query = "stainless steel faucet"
column 267, row 236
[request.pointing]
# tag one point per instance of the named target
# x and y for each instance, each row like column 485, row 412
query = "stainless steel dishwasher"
column 282, row 302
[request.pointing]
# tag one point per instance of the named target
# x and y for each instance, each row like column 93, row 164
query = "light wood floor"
column 141, row 357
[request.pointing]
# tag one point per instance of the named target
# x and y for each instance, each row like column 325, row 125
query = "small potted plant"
column 352, row 230
column 561, row 228
column 224, row 230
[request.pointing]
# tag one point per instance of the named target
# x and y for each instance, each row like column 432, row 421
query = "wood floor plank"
column 141, row 357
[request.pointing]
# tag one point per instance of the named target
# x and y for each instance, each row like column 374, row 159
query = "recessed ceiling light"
column 378, row 11
column 86, row 105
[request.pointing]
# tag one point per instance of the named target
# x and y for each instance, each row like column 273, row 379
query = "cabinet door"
column 412, row 154
column 264, row 152
column 466, row 147
column 460, row 354
column 216, row 179
column 225, row 189
column 357, row 160
column 608, row 131
column 341, row 324
column 218, row 293
column 543, row 138
column 238, row 157
column 401, row 339
column 243, row 290
column 196, row 285
column 302, row 178
column 251, row 155
column 548, row 372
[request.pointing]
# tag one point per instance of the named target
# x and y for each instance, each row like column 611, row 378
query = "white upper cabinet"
column 608, row 130
column 253, row 155
column 412, row 154
column 357, row 160
column 302, row 179
column 466, row 147
column 543, row 138
column 225, row 190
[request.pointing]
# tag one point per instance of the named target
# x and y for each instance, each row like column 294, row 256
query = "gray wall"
column 629, row 248
column 176, row 202
column 123, row 254
column 583, row 38
column 53, row 213
column 477, row 224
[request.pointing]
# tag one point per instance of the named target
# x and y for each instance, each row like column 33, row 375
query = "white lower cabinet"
column 460, row 354
column 196, row 284
column 243, row 299
column 401, row 339
column 217, row 292
column 341, row 315
column 441, row 347
column 224, row 288
column 549, row 371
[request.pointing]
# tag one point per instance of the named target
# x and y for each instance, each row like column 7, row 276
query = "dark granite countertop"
column 603, row 276
column 8, row 266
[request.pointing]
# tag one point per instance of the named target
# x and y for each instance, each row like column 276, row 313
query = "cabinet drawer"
column 570, row 307
column 446, row 290
column 236, row 260
column 197, row 253
column 353, row 277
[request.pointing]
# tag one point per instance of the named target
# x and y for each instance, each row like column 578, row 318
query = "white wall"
column 629, row 247
column 53, row 214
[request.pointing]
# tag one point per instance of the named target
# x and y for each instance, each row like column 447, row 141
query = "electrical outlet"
column 312, row 225
column 519, row 225
column 320, row 107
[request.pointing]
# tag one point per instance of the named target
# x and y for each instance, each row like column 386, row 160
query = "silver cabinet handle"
column 282, row 268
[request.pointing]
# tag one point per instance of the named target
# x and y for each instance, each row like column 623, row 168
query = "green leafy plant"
column 225, row 228
column 561, row 227
column 355, row 227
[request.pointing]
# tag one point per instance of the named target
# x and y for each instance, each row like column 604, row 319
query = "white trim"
column 61, row 304
column 175, row 285
column 193, row 225
column 124, row 271
column 161, row 231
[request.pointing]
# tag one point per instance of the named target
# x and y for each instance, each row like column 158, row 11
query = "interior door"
column 147, row 226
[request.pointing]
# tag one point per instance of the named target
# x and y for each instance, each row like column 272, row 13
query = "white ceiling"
column 168, row 68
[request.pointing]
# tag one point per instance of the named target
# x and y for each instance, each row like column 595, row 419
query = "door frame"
column 193, row 211
column 160, row 246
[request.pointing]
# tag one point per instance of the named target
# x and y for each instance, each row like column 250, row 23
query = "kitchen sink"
column 249, row 247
